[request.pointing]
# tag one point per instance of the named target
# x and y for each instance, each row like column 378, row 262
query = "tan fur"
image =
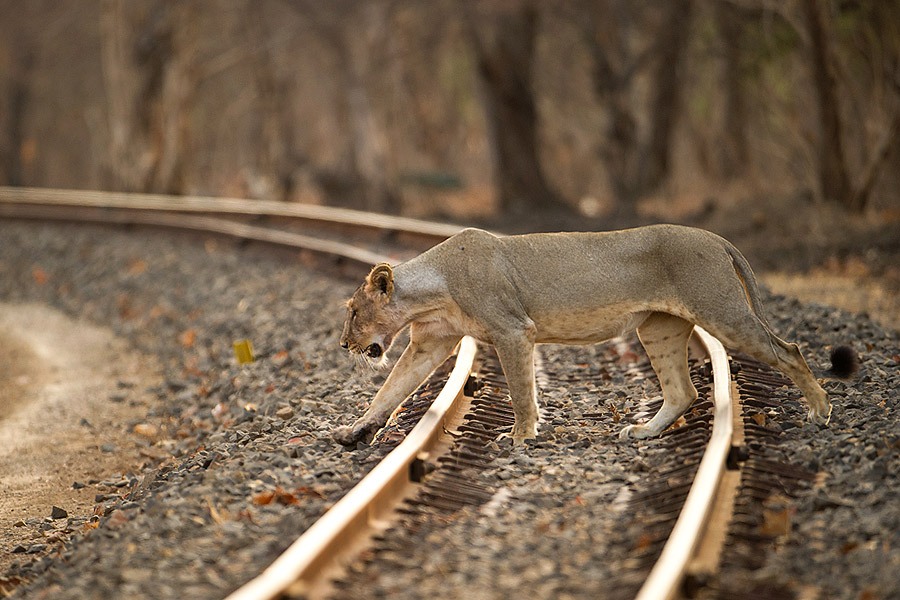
column 570, row 288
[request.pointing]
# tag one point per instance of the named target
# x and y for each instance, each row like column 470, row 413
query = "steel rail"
column 306, row 564
column 363, row 509
column 191, row 222
column 667, row 575
column 233, row 206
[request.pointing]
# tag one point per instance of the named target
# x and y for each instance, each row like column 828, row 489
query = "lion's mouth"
column 374, row 351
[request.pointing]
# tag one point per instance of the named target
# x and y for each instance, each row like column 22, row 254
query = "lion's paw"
column 821, row 417
column 358, row 432
column 519, row 434
column 344, row 435
column 635, row 432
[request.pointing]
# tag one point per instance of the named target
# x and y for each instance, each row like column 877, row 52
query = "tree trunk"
column 833, row 176
column 862, row 191
column 341, row 25
column 636, row 161
column 734, row 155
column 613, row 68
column 13, row 148
column 276, row 151
column 147, row 61
column 504, row 49
column 666, row 99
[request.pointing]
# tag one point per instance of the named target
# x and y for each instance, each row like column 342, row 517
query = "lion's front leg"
column 419, row 359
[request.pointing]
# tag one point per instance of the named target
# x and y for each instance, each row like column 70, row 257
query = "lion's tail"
column 748, row 280
column 844, row 359
column 844, row 363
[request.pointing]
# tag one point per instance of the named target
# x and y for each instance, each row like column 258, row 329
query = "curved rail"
column 305, row 564
column 665, row 579
column 233, row 206
column 206, row 224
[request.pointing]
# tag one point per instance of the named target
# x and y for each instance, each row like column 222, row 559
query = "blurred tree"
column 20, row 58
column 147, row 60
column 348, row 27
column 836, row 179
column 833, row 176
column 665, row 100
column 369, row 104
column 277, row 154
column 20, row 46
column 731, row 21
column 503, row 36
column 637, row 159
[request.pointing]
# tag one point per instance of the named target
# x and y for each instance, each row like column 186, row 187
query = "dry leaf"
column 643, row 542
column 215, row 514
column 90, row 525
column 628, row 357
column 137, row 266
column 40, row 276
column 615, row 414
column 776, row 522
column 284, row 497
column 308, row 491
column 187, row 338
column 126, row 308
column 263, row 498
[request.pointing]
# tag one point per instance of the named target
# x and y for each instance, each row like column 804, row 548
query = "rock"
column 285, row 413
column 58, row 513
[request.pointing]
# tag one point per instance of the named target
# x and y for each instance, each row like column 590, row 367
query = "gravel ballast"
column 244, row 460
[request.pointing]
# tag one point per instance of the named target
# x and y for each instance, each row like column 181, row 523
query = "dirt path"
column 70, row 395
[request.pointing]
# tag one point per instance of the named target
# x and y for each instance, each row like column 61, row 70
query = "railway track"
column 450, row 432
column 318, row 229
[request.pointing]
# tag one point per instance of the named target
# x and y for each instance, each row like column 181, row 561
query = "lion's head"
column 370, row 324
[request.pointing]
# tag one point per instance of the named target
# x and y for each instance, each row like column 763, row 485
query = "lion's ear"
column 381, row 279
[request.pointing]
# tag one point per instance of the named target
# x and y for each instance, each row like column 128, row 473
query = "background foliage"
column 455, row 108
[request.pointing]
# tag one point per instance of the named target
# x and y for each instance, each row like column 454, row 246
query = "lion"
column 568, row 288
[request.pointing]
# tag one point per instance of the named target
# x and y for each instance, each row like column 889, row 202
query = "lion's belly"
column 585, row 326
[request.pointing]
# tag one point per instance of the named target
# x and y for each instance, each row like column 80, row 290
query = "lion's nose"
column 344, row 344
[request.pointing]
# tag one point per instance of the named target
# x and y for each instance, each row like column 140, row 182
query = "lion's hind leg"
column 665, row 338
column 788, row 359
column 516, row 355
column 751, row 335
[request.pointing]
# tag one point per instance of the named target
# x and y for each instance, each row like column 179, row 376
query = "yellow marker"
column 243, row 351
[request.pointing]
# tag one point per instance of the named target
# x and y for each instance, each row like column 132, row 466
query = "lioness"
column 569, row 288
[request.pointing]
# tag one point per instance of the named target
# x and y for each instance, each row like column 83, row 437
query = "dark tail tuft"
column 844, row 362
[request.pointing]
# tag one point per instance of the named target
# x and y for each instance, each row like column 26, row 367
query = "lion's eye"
column 352, row 314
